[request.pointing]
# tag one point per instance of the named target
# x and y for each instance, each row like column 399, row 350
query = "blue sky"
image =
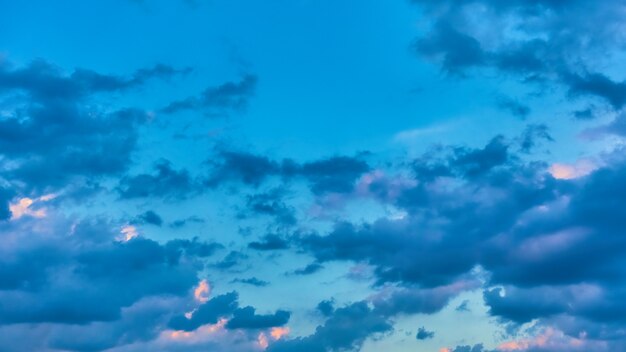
column 287, row 176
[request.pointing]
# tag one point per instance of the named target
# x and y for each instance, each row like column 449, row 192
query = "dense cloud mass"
column 52, row 133
column 325, row 202
column 541, row 41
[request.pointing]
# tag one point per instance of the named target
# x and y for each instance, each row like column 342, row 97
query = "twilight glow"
column 313, row 175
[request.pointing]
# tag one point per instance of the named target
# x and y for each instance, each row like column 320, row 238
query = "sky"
column 313, row 175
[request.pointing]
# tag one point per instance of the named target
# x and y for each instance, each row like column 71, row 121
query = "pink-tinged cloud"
column 128, row 232
column 262, row 341
column 552, row 339
column 25, row 207
column 200, row 334
column 202, row 292
column 542, row 247
column 279, row 332
column 581, row 168
column 394, row 186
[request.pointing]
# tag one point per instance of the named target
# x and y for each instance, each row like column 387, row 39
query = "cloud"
column 30, row 207
column 546, row 248
column 232, row 259
column 419, row 300
column 209, row 312
column 423, row 334
column 182, row 222
column 532, row 136
column 69, row 279
column 53, row 131
column 246, row 318
column 269, row 242
column 616, row 127
column 252, row 281
column 5, row 208
column 219, row 100
column 271, row 203
column 166, row 182
column 599, row 85
column 514, row 107
column 457, row 51
column 539, row 41
column 150, row 217
column 309, row 269
column 335, row 174
column 345, row 329
column 193, row 247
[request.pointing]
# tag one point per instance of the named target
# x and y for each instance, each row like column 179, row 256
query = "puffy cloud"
column 202, row 291
column 548, row 248
column 52, row 132
column 541, row 41
column 78, row 274
column 25, row 207
column 209, row 312
column 419, row 300
column 345, row 329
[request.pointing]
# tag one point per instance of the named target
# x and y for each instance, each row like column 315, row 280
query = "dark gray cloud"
column 345, row 329
column 457, row 51
column 309, row 269
column 423, row 334
column 182, row 222
column 250, row 169
column 326, row 307
column 208, row 313
column 5, row 197
column 166, row 182
column 331, row 175
column 271, row 203
column 231, row 260
column 68, row 279
column 552, row 41
column 414, row 300
column 460, row 161
column 252, row 281
column 83, row 288
column 53, row 133
column 150, row 217
column 246, row 318
column 532, row 136
column 468, row 348
column 138, row 323
column 551, row 249
column 219, row 100
column 194, row 247
column 227, row 306
column 599, row 85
